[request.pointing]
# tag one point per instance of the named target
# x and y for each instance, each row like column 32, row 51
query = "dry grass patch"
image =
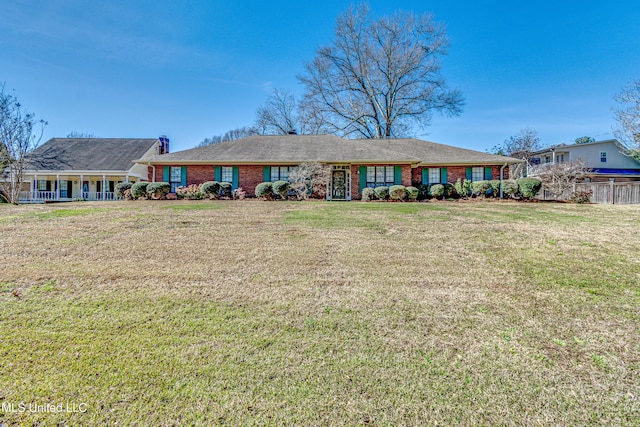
column 213, row 312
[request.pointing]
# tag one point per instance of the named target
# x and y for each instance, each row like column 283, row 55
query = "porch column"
column 126, row 178
column 35, row 186
column 81, row 186
column 103, row 181
column 57, row 187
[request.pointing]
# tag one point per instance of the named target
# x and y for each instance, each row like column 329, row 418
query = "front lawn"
column 254, row 313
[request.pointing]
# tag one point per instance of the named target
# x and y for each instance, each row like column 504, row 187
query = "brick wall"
column 355, row 182
column 249, row 177
column 197, row 174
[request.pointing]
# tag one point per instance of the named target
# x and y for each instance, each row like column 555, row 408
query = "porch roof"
column 89, row 154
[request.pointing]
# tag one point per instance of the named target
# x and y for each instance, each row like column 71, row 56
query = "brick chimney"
column 164, row 144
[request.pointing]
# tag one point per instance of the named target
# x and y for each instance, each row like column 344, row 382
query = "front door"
column 338, row 185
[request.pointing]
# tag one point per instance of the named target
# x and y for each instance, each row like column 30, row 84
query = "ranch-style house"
column 354, row 164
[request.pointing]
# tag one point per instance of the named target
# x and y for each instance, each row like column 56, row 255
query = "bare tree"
column 18, row 138
column 283, row 114
column 380, row 78
column 559, row 177
column 627, row 116
column 521, row 146
column 230, row 135
column 278, row 116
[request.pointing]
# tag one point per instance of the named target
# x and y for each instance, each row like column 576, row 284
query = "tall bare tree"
column 521, row 145
column 627, row 116
column 278, row 116
column 380, row 78
column 19, row 136
column 282, row 114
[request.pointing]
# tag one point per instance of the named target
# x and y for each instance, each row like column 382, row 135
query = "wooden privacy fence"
column 619, row 193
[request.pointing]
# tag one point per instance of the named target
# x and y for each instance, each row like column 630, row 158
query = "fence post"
column 613, row 196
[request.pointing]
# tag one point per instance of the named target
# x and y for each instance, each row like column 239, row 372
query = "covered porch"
column 43, row 188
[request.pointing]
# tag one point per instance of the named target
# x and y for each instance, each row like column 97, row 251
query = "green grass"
column 193, row 206
column 278, row 313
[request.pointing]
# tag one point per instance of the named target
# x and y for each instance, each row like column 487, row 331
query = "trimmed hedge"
column 139, row 189
column 480, row 188
column 281, row 188
column 529, row 187
column 210, row 189
column 397, row 192
column 368, row 194
column 423, row 191
column 158, row 190
column 436, row 190
column 382, row 192
column 463, row 188
column 226, row 189
column 122, row 187
column 264, row 189
column 412, row 193
column 495, row 187
column 509, row 187
column 449, row 191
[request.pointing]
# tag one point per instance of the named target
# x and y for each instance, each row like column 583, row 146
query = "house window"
column 603, row 157
column 380, row 176
column 547, row 159
column 561, row 158
column 434, row 175
column 175, row 177
column 281, row 173
column 477, row 174
column 42, row 185
column 226, row 174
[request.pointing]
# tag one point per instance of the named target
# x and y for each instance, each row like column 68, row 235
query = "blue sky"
column 192, row 69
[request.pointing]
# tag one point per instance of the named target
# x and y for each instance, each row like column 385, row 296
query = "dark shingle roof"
column 287, row 149
column 100, row 154
column 274, row 149
column 432, row 153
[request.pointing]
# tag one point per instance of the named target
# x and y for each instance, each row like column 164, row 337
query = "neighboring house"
column 65, row 169
column 606, row 159
column 355, row 164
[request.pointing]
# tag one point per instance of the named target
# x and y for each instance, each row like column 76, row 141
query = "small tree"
column 521, row 146
column 584, row 140
column 559, row 177
column 19, row 136
column 310, row 179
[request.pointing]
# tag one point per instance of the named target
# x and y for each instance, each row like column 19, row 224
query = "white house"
column 606, row 159
column 64, row 169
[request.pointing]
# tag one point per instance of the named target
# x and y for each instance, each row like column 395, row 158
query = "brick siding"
column 249, row 176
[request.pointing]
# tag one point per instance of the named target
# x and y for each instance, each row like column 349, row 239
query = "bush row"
column 159, row 190
column 524, row 188
column 271, row 190
column 395, row 192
